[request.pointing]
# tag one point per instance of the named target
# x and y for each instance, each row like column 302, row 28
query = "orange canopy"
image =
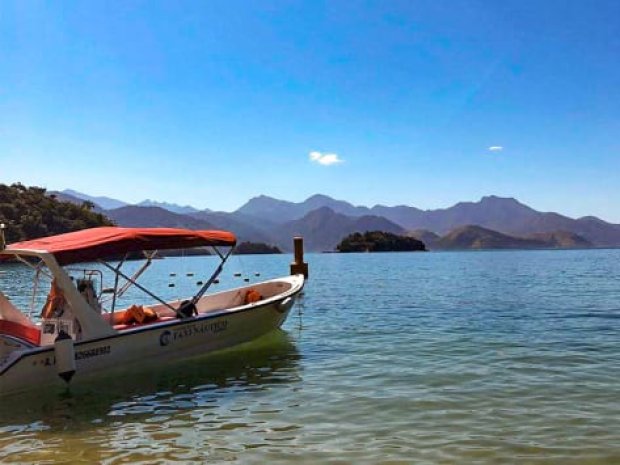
column 95, row 243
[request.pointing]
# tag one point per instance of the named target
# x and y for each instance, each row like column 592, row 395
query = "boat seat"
column 137, row 325
column 26, row 333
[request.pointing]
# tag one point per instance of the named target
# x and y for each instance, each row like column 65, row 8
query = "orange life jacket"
column 139, row 314
column 252, row 296
column 55, row 302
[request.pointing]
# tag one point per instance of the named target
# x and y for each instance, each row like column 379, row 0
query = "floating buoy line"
column 190, row 274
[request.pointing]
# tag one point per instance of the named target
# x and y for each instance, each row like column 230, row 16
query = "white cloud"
column 496, row 148
column 325, row 159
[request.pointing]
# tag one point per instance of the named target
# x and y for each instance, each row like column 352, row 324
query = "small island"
column 379, row 241
column 249, row 248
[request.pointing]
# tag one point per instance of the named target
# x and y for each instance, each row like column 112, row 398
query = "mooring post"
column 2, row 240
column 299, row 266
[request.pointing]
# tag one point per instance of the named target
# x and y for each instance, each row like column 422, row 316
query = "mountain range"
column 323, row 221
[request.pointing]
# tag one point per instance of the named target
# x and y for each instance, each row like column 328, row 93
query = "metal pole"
column 213, row 277
column 142, row 288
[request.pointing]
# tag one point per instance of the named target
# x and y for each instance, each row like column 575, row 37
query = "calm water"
column 472, row 357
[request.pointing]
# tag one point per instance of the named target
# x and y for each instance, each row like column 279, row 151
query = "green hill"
column 29, row 213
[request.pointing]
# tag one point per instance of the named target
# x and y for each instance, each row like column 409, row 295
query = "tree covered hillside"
column 28, row 213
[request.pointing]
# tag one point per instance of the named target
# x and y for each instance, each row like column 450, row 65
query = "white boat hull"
column 155, row 343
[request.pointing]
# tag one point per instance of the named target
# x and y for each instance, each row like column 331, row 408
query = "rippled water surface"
column 471, row 357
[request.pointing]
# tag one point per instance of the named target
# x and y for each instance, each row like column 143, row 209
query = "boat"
column 81, row 333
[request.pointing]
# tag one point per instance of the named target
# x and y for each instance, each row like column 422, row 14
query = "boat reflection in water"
column 197, row 387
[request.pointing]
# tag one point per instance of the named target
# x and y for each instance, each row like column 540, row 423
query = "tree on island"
column 29, row 213
column 247, row 248
column 379, row 241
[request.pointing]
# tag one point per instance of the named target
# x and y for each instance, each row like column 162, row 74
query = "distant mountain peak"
column 172, row 207
column 496, row 199
column 106, row 203
column 153, row 216
column 264, row 198
column 592, row 219
column 319, row 197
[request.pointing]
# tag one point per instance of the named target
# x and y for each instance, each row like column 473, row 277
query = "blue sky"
column 210, row 103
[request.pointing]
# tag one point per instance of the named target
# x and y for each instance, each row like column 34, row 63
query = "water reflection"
column 171, row 390
column 490, row 357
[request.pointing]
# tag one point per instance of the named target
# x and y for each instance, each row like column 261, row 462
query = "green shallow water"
column 472, row 357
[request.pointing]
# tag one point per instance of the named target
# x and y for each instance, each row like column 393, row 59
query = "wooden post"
column 299, row 266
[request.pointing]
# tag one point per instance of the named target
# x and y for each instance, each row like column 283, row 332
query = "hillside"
column 64, row 197
column 245, row 228
column 153, row 217
column 171, row 207
column 562, row 240
column 428, row 237
column 29, row 212
column 407, row 217
column 476, row 237
column 323, row 228
column 106, row 203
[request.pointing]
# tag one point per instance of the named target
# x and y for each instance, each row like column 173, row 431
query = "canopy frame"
column 129, row 279
column 116, row 292
column 132, row 281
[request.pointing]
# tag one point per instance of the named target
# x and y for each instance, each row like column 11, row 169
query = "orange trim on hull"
column 20, row 331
